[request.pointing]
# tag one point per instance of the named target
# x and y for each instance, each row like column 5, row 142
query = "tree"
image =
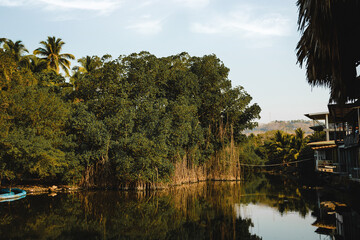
column 11, row 75
column 51, row 52
column 284, row 147
column 2, row 40
column 127, row 121
column 88, row 64
column 32, row 144
column 330, row 45
column 36, row 65
column 16, row 49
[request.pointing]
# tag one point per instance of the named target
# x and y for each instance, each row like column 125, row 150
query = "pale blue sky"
column 255, row 39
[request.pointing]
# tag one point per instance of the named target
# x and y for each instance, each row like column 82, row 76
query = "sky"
column 255, row 39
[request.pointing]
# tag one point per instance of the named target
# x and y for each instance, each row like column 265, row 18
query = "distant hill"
column 286, row 126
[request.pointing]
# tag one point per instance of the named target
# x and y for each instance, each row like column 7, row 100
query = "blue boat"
column 7, row 195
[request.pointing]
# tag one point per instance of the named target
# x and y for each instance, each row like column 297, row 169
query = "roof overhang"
column 318, row 128
column 322, row 144
column 317, row 116
column 342, row 112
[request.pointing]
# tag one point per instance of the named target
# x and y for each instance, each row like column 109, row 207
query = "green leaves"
column 16, row 49
column 284, row 147
column 158, row 111
column 31, row 146
column 51, row 54
column 128, row 120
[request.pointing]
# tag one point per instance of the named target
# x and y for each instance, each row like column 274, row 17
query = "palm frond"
column 329, row 46
column 50, row 50
column 67, row 56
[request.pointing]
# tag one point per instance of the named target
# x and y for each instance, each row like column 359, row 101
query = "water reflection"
column 256, row 209
column 335, row 218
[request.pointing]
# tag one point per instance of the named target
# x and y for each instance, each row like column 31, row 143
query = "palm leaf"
column 50, row 50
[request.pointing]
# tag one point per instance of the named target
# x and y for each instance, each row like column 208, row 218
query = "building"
column 339, row 152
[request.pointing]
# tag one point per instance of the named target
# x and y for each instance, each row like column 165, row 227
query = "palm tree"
column 299, row 141
column 2, row 40
column 286, row 147
column 17, row 49
column 36, row 64
column 330, row 45
column 88, row 64
column 279, row 147
column 51, row 53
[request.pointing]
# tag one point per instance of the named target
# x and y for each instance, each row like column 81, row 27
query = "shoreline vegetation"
column 134, row 122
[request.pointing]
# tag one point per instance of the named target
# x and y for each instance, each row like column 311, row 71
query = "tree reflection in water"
column 196, row 211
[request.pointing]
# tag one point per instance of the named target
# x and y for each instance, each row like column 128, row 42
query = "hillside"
column 286, row 126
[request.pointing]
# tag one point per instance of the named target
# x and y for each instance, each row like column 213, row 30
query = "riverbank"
column 41, row 189
column 198, row 175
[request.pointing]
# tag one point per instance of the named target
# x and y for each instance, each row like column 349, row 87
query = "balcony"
column 351, row 140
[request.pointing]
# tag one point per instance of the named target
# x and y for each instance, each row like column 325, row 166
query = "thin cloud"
column 147, row 26
column 193, row 3
column 100, row 6
column 146, row 3
column 245, row 24
column 12, row 3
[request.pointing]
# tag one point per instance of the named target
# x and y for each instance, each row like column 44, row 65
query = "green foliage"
column 275, row 147
column 50, row 51
column 126, row 121
column 16, row 49
column 284, row 147
column 317, row 136
column 252, row 151
column 88, row 64
column 49, row 78
column 11, row 75
column 31, row 144
column 35, row 64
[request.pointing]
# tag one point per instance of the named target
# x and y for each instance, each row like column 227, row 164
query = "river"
column 262, row 207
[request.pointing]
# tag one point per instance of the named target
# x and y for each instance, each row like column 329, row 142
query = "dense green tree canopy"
column 123, row 122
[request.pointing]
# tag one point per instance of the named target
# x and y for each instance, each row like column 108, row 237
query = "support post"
column 327, row 127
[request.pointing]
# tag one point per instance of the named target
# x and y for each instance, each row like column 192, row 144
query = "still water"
column 260, row 208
